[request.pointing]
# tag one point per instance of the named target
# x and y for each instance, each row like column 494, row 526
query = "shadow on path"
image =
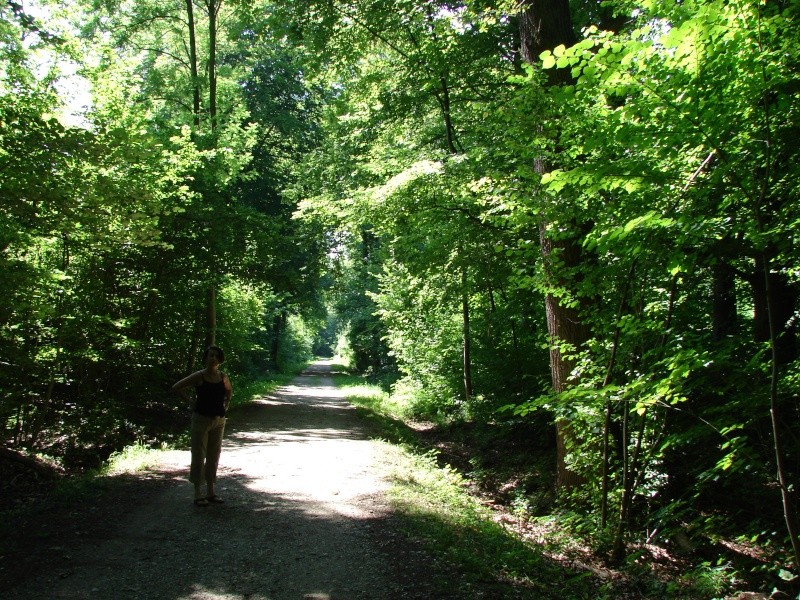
column 305, row 518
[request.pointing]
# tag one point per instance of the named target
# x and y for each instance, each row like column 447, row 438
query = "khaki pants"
column 206, row 447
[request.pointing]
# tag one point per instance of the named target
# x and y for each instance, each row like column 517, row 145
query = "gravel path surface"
column 305, row 517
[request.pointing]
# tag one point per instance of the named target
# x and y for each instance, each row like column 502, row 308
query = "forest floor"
column 305, row 517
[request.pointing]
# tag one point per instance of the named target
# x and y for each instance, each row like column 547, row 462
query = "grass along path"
column 520, row 555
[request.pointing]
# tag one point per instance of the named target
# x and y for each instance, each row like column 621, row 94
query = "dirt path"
column 305, row 518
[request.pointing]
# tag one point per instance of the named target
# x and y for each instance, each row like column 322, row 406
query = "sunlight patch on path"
column 305, row 517
column 309, row 450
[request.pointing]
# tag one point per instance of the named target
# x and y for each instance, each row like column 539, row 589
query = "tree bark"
column 564, row 327
column 629, row 481
column 193, row 65
column 211, row 294
column 544, row 24
column 197, row 339
column 444, row 102
column 213, row 11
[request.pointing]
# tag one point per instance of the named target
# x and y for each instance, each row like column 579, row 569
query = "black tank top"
column 211, row 398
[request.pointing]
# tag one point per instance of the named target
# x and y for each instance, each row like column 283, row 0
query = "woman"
column 214, row 393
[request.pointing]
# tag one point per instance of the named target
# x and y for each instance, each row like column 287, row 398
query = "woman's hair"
column 216, row 349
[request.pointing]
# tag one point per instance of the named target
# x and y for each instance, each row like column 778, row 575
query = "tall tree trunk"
column 544, row 24
column 213, row 12
column 630, row 478
column 612, row 363
column 520, row 377
column 443, row 96
column 211, row 316
column 211, row 294
column 779, row 301
column 56, row 369
column 193, row 66
column 789, row 508
column 444, row 103
column 564, row 327
column 194, row 351
column 467, row 335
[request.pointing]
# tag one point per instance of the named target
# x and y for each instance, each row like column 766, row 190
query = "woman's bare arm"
column 187, row 382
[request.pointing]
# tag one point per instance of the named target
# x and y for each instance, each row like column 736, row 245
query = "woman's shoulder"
column 197, row 377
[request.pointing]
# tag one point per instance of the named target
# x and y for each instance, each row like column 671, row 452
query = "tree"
column 425, row 71
column 138, row 212
column 703, row 203
column 544, row 25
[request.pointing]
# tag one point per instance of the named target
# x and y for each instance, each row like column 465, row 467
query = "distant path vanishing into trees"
column 305, row 517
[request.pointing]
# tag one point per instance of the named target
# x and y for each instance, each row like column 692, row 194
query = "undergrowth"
column 506, row 542
column 434, row 502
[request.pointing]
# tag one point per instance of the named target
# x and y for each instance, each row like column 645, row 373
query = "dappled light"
column 302, row 505
column 551, row 245
column 309, row 443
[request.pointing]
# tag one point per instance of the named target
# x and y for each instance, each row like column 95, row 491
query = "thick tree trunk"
column 211, row 295
column 544, row 24
column 564, row 327
column 213, row 11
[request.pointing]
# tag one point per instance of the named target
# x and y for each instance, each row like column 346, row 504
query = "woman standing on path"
column 214, row 393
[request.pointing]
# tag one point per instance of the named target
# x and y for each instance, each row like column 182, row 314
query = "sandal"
column 215, row 499
column 200, row 502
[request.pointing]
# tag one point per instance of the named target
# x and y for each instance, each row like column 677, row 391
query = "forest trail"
column 305, row 517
